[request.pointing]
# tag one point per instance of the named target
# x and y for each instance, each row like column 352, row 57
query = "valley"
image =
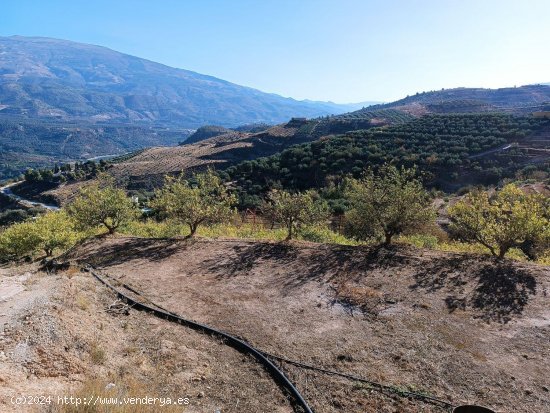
column 166, row 234
column 454, row 151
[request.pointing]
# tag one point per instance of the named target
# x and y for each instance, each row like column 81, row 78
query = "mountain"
column 28, row 143
column 517, row 100
column 145, row 169
column 59, row 79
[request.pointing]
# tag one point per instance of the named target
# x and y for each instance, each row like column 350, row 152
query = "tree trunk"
column 388, row 237
column 289, row 236
column 110, row 228
column 502, row 252
column 193, row 230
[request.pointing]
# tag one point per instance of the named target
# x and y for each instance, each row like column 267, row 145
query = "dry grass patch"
column 97, row 354
column 367, row 299
column 82, row 302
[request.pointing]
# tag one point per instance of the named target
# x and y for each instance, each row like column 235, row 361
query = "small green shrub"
column 323, row 235
column 19, row 240
column 152, row 229
column 420, row 240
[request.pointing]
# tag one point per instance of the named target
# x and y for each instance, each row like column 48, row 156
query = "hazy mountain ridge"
column 61, row 101
column 50, row 78
column 518, row 100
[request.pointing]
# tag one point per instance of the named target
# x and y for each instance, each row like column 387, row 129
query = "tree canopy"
column 506, row 219
column 294, row 210
column 202, row 199
column 102, row 204
column 387, row 204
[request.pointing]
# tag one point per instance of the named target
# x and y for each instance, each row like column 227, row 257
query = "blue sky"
column 344, row 51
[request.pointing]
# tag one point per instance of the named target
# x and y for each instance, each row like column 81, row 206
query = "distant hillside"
column 146, row 169
column 27, row 143
column 59, row 79
column 455, row 150
column 458, row 149
column 519, row 100
column 311, row 129
column 206, row 132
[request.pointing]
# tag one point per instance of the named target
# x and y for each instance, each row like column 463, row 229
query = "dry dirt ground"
column 463, row 328
column 60, row 335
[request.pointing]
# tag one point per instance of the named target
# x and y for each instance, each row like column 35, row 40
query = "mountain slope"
column 454, row 150
column 148, row 167
column 50, row 78
column 29, row 143
column 519, row 100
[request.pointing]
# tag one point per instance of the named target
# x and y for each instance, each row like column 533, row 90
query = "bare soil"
column 463, row 328
column 60, row 333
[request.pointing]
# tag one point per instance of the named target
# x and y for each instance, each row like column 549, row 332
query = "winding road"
column 6, row 190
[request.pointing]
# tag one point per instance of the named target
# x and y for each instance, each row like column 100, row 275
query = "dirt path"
column 22, row 293
column 6, row 190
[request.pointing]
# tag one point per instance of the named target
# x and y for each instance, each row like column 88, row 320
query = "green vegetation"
column 11, row 211
column 102, row 204
column 442, row 145
column 55, row 232
column 65, row 172
column 202, row 200
column 387, row 204
column 49, row 233
column 12, row 216
column 18, row 240
column 362, row 119
column 294, row 210
column 510, row 218
column 151, row 228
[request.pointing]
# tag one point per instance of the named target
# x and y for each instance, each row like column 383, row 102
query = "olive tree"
column 48, row 232
column 200, row 200
column 55, row 231
column 102, row 204
column 18, row 240
column 294, row 210
column 506, row 219
column 387, row 204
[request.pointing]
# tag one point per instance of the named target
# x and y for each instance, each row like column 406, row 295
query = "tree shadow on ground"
column 496, row 290
column 297, row 266
column 248, row 256
column 131, row 249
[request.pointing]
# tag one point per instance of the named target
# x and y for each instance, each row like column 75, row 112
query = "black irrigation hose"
column 266, row 356
column 375, row 386
column 232, row 341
